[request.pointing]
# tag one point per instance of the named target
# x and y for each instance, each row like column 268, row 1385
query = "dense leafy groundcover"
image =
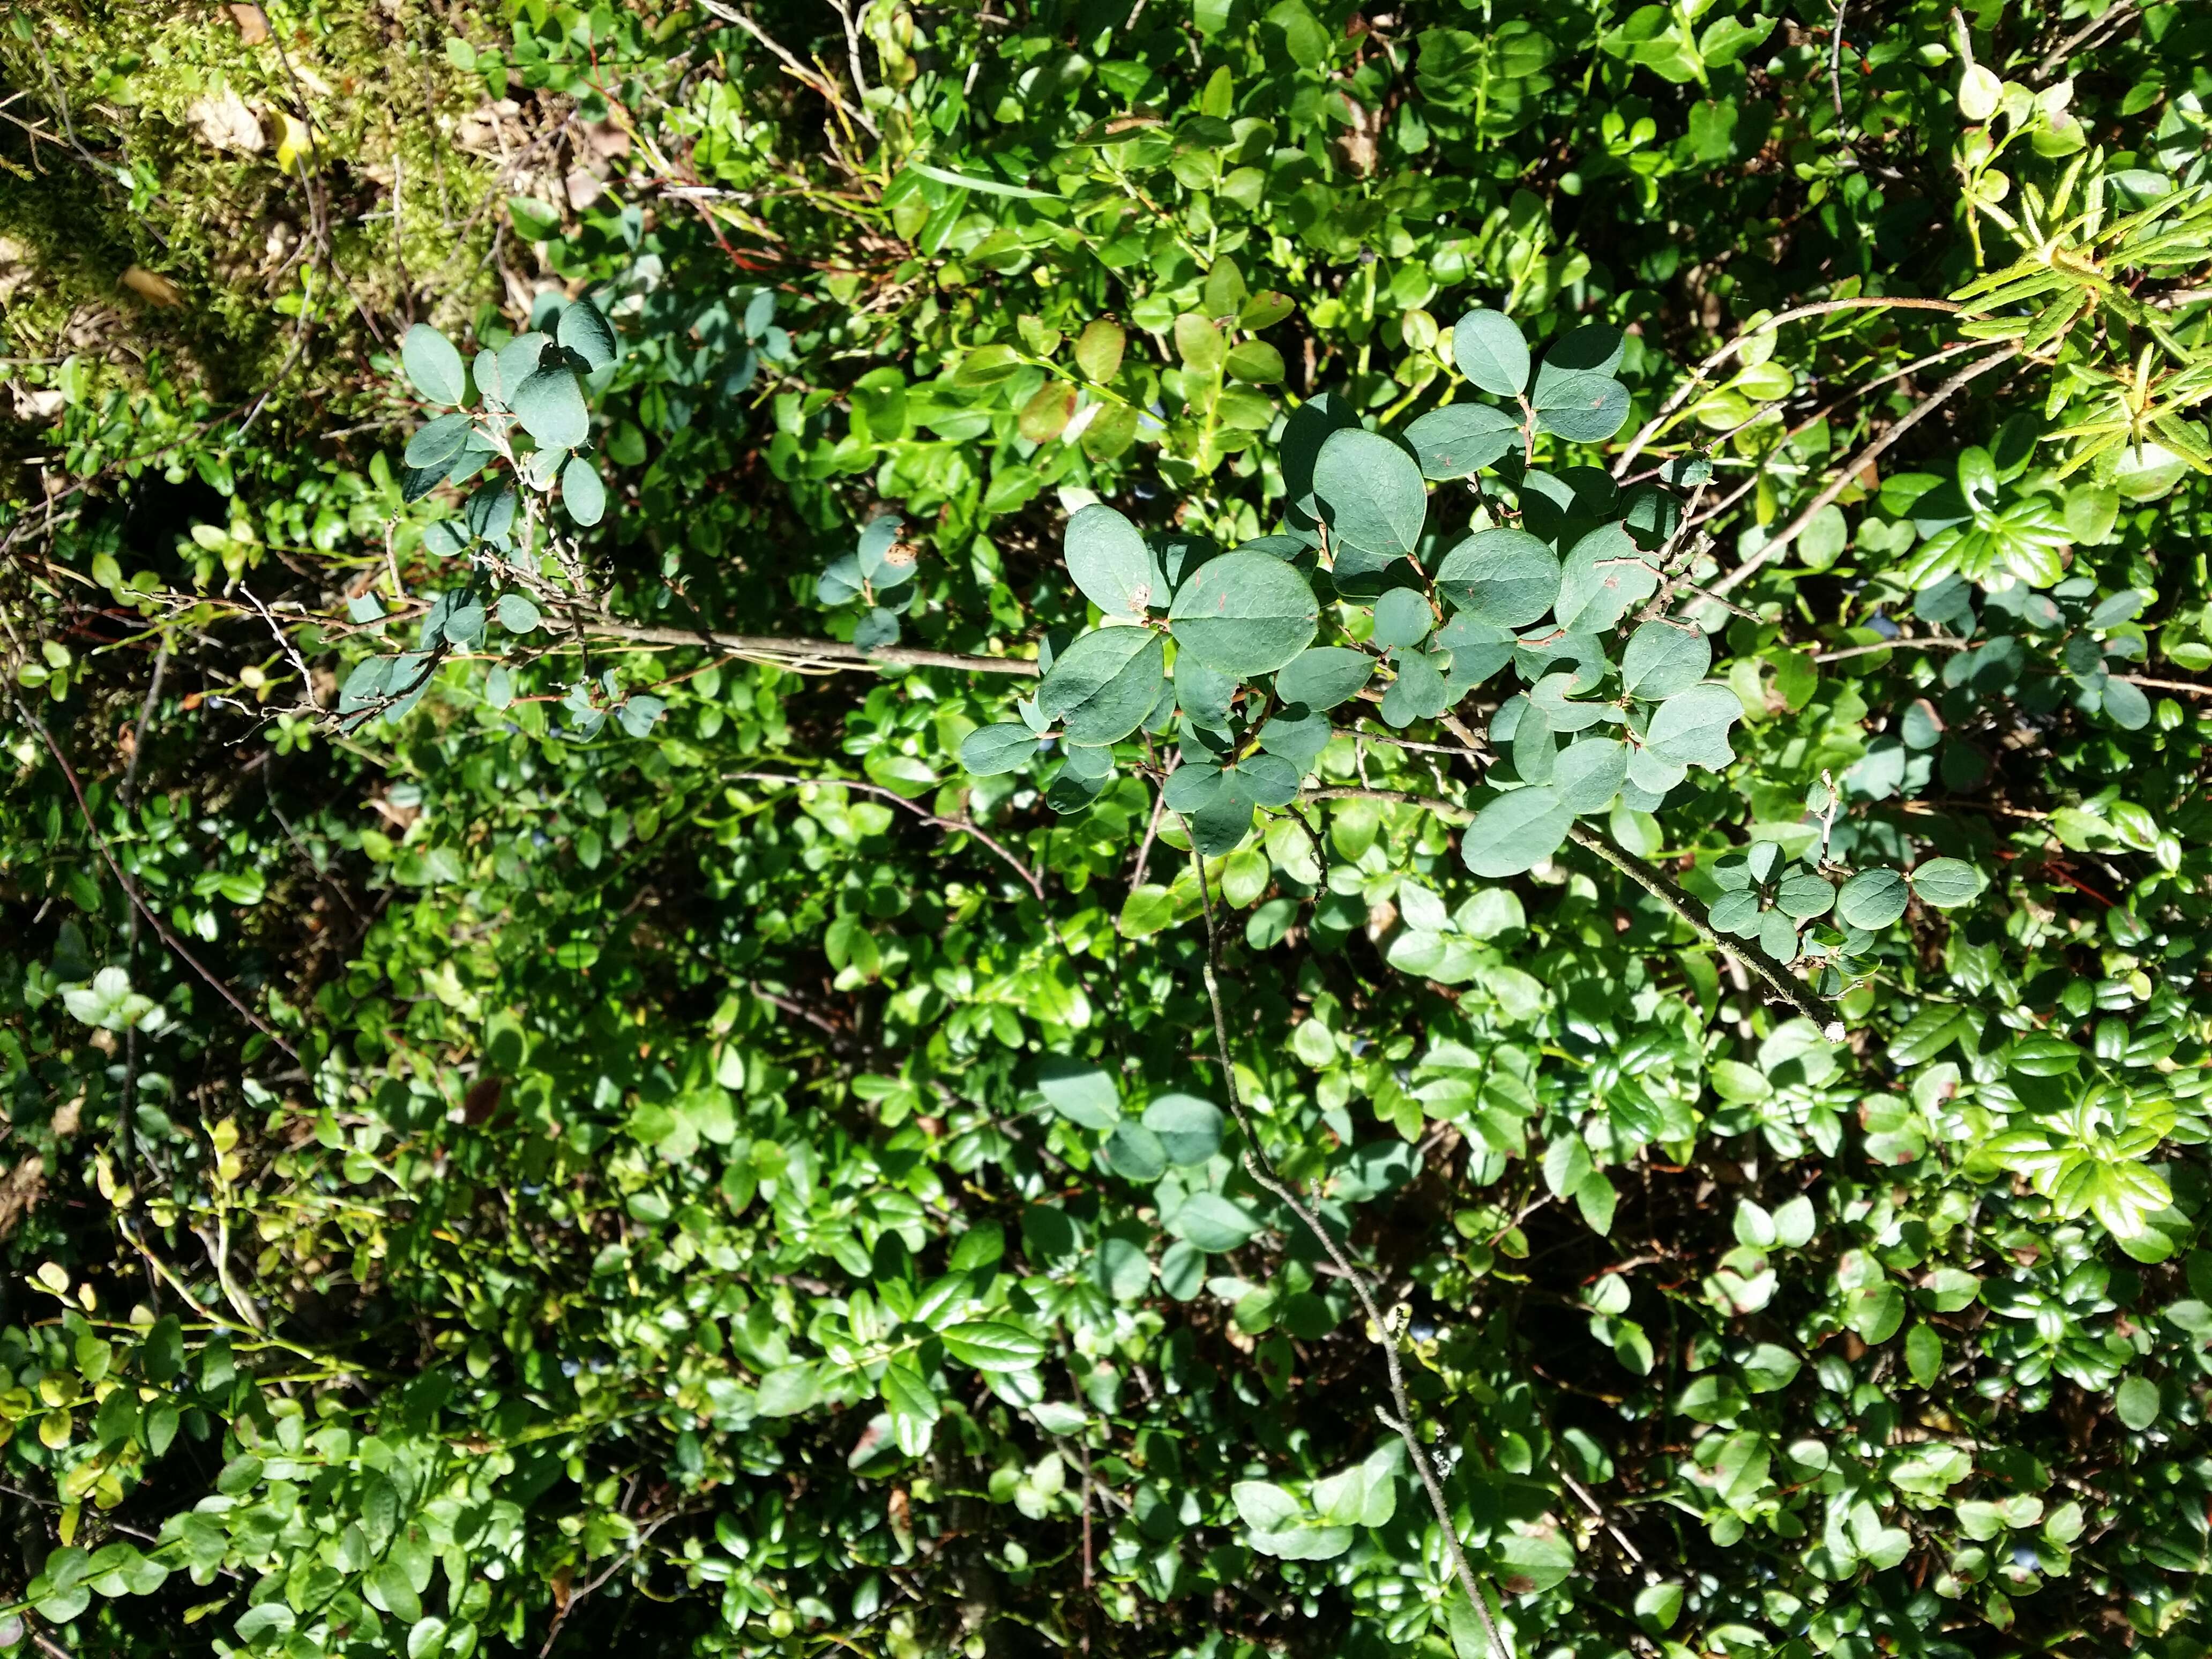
column 754, row 888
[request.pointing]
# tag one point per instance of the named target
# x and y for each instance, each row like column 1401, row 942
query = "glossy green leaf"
column 993, row 1346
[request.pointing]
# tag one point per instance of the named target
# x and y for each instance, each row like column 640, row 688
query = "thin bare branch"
column 1858, row 464
column 806, row 73
column 1780, row 984
column 1683, row 393
column 130, row 890
column 1381, row 1330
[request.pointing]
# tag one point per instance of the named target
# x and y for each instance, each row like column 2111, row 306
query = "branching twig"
column 1683, row 393
column 1778, row 980
column 1859, row 463
column 137, row 900
column 806, row 75
column 1261, row 1170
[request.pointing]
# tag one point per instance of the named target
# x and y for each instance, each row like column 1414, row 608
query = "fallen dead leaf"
column 224, row 121
column 19, row 1190
column 152, row 287
column 253, row 23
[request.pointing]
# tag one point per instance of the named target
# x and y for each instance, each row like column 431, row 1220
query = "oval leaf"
column 1690, row 729
column 1491, row 352
column 1872, row 899
column 1189, row 1129
column 439, row 442
column 1098, row 350
column 1460, row 439
column 1109, row 561
column 1371, row 492
column 550, row 406
column 1244, row 613
column 1504, row 577
column 1515, row 832
column 997, row 749
column 581, row 492
column 434, row 368
column 993, row 1346
column 1663, row 658
column 1946, row 884
column 1324, row 676
column 583, row 330
column 1589, row 773
column 1104, row 684
column 1213, row 1223
column 1584, row 408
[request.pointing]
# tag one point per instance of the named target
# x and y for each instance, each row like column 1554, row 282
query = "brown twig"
column 1859, row 463
column 807, row 74
column 1682, row 393
column 130, row 890
column 1778, row 981
column 1380, row 1329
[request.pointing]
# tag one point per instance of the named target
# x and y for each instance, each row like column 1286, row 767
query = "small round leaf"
column 1109, row 561
column 1325, row 676
column 1491, row 352
column 1946, row 884
column 1871, row 899
column 1515, row 832
column 997, row 749
column 1244, row 613
column 1690, row 729
column 581, row 492
column 583, row 330
column 434, row 368
column 1504, row 577
column 1663, row 658
column 1460, row 439
column 1104, row 684
column 550, row 406
column 1372, row 491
